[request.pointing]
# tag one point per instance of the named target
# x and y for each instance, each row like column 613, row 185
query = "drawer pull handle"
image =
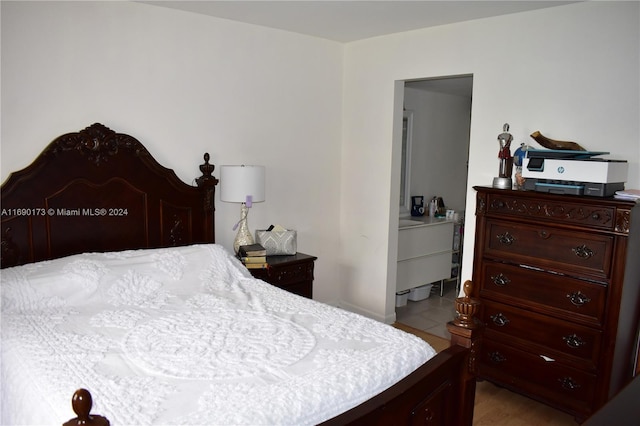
column 578, row 298
column 595, row 216
column 497, row 357
column 568, row 383
column 500, row 280
column 499, row 319
column 583, row 252
column 506, row 238
column 544, row 234
column 428, row 415
column 574, row 341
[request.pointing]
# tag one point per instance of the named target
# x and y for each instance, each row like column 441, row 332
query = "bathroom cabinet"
column 424, row 252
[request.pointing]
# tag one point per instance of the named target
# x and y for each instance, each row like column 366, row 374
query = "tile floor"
column 432, row 313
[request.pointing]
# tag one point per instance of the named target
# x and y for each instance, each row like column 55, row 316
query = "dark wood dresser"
column 293, row 273
column 559, row 281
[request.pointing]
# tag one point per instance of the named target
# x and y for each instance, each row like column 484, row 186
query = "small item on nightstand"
column 259, row 265
column 253, row 256
column 250, row 250
column 253, row 259
column 277, row 240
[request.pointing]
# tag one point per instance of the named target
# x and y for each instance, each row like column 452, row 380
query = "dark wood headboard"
column 97, row 190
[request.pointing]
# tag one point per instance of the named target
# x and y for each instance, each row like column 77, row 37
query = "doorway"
column 440, row 111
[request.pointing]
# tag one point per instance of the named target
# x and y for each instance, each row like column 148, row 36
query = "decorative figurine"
column 503, row 181
column 555, row 144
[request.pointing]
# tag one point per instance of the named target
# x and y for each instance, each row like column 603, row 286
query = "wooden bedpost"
column 207, row 184
column 81, row 403
column 466, row 331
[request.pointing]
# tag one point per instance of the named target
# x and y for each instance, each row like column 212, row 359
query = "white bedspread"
column 185, row 336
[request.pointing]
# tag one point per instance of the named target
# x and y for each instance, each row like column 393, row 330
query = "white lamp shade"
column 238, row 182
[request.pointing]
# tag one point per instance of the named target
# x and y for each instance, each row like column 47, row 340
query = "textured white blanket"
column 185, row 336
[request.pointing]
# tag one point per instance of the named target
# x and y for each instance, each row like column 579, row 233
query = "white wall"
column 569, row 71
column 184, row 84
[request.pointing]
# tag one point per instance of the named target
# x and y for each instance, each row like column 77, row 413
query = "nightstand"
column 292, row 273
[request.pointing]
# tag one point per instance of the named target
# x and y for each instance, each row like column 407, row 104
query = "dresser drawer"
column 553, row 210
column 567, row 298
column 577, row 344
column 538, row 375
column 545, row 246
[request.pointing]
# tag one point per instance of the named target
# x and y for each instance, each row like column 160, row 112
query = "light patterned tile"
column 432, row 314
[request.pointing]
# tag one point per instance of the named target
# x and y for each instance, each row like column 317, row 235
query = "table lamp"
column 242, row 184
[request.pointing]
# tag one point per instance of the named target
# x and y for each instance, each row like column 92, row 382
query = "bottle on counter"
column 433, row 206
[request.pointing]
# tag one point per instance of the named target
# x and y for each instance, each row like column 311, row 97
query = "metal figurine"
column 503, row 181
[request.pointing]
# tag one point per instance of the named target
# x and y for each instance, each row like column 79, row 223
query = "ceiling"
column 452, row 85
column 346, row 21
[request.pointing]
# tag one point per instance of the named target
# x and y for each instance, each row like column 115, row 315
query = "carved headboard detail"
column 98, row 190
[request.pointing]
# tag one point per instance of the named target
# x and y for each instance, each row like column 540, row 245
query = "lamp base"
column 243, row 237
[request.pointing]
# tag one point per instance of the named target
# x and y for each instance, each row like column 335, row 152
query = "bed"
column 113, row 287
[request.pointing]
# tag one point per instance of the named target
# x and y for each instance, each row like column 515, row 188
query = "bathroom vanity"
column 424, row 251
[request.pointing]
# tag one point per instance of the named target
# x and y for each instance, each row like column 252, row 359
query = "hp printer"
column 573, row 172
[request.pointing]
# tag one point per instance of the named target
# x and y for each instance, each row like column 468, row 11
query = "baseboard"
column 358, row 310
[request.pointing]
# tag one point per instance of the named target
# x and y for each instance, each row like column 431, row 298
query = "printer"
column 573, row 172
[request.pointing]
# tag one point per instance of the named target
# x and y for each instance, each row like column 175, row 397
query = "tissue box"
column 277, row 242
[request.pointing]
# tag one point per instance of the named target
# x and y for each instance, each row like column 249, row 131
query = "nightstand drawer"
column 537, row 374
column 545, row 246
column 283, row 275
column 292, row 273
column 577, row 344
column 569, row 298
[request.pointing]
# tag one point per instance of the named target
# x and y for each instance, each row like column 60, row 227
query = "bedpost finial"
column 467, row 287
column 466, row 308
column 81, row 403
column 207, row 168
column 206, row 180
